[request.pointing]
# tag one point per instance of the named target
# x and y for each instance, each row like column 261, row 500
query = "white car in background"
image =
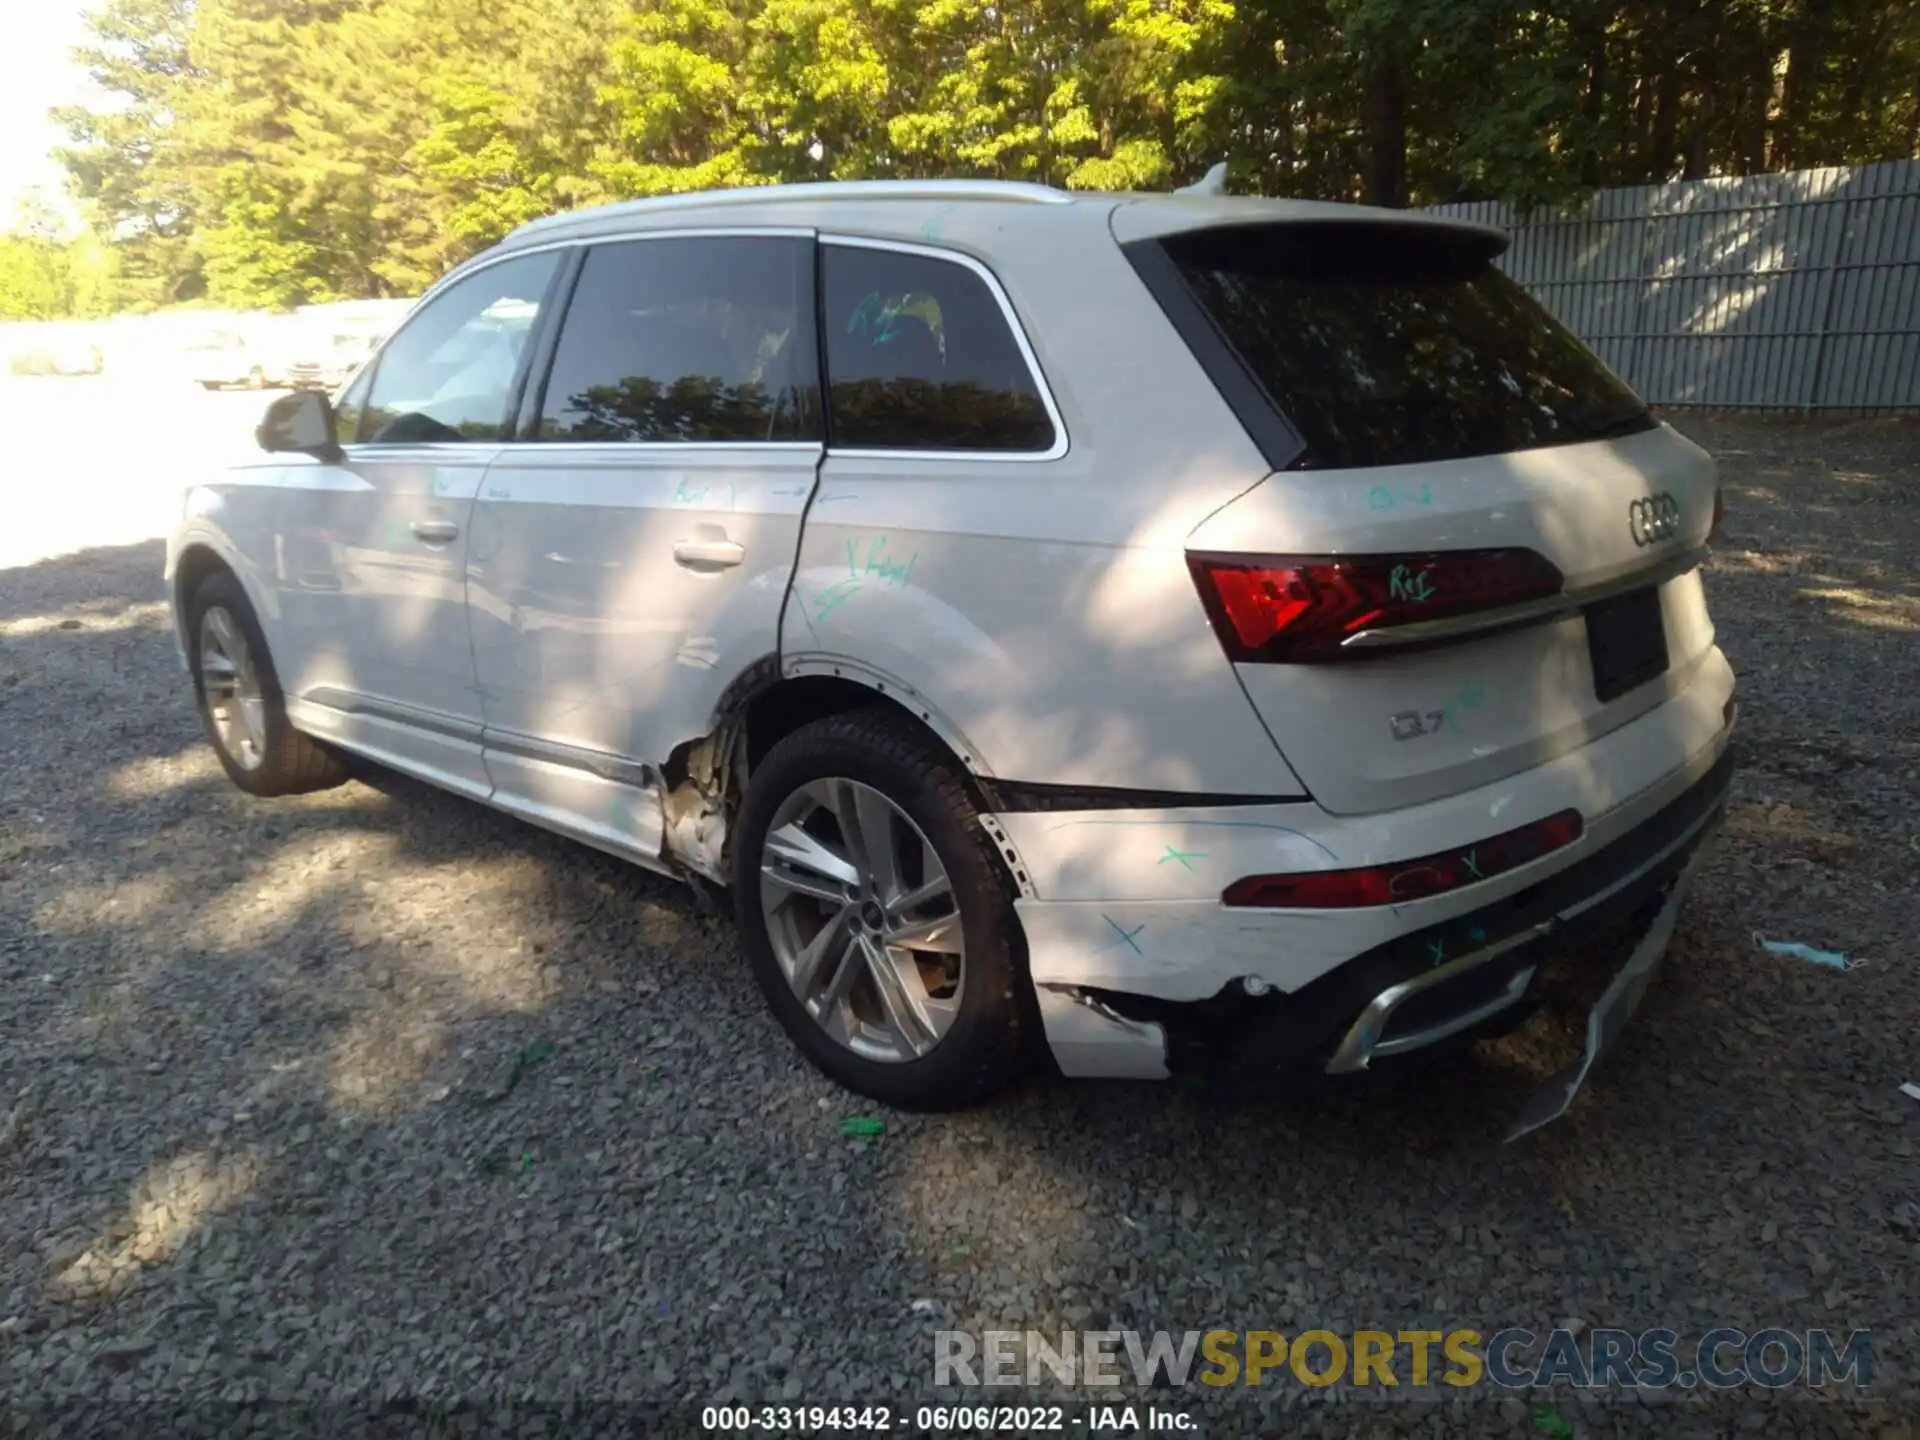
column 229, row 358
column 1171, row 632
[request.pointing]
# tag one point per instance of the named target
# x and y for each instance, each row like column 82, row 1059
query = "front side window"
column 449, row 374
column 685, row 340
column 920, row 357
column 1386, row 344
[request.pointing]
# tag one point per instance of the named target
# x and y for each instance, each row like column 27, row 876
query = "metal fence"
column 1795, row 292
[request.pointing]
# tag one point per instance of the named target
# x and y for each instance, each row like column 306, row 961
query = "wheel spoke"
column 941, row 933
column 846, row 810
column 221, row 624
column 902, row 996
column 832, row 940
column 818, row 864
column 831, row 1009
column 874, row 815
column 217, row 669
column 253, row 721
column 933, row 888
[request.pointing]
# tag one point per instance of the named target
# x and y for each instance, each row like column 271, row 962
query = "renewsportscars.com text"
column 1513, row 1359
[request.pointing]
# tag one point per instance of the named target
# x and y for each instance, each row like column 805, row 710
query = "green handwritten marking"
column 874, row 560
column 1385, row 497
column 1183, row 856
column 1470, row 695
column 1438, row 950
column 689, row 494
column 833, row 597
column 1126, row 936
column 1477, row 935
column 1406, row 583
column 891, row 571
column 861, row 316
column 1473, row 866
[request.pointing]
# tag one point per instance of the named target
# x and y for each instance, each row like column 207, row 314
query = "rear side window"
column 920, row 356
column 1384, row 345
column 685, row 340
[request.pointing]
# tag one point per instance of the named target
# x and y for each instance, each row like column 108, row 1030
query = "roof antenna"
column 1214, row 182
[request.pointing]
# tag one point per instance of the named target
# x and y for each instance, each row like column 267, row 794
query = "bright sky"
column 36, row 72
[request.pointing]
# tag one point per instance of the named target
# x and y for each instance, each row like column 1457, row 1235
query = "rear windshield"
column 1383, row 345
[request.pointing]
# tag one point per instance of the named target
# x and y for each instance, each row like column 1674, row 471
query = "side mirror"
column 300, row 423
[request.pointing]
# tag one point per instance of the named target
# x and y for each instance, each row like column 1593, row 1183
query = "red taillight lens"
column 1407, row 879
column 1297, row 611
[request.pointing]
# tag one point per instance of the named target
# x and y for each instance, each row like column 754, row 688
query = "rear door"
column 631, row 550
column 1478, row 549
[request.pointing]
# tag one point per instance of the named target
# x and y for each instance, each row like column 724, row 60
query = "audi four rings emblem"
column 1653, row 518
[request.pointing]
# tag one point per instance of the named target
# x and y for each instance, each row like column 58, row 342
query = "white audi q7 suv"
column 1172, row 633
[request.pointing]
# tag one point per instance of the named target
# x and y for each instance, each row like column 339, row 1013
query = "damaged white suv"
column 1175, row 632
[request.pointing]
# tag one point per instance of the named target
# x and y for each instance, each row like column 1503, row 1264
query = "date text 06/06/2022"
column 946, row 1419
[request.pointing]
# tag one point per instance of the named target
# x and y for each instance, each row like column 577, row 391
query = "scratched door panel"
column 592, row 628
column 630, row 556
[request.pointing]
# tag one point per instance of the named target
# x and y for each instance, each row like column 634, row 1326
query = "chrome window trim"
column 563, row 449
column 717, row 232
column 1061, row 443
column 486, row 260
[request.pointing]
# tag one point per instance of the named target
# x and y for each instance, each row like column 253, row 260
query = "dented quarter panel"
column 1044, row 605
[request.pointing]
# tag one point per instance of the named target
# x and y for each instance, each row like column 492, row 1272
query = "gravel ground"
column 376, row 1094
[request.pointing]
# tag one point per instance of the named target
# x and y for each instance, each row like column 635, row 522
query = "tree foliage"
column 269, row 152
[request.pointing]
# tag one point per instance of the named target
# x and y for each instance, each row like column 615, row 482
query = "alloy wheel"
column 863, row 920
column 231, row 683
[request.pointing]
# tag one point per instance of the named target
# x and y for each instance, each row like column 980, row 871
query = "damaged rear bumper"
column 1479, row 970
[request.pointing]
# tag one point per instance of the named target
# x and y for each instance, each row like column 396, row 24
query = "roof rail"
column 1009, row 190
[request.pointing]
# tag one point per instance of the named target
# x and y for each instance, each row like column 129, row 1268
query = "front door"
column 370, row 558
column 631, row 553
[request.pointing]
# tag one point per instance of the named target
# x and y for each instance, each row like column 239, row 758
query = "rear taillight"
column 1407, row 879
column 1301, row 610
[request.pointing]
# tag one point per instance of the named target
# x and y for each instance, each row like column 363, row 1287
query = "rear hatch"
column 1478, row 550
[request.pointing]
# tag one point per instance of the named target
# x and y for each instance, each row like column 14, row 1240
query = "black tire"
column 291, row 763
column 991, row 1038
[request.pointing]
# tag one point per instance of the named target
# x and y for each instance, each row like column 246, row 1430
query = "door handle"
column 435, row 532
column 709, row 554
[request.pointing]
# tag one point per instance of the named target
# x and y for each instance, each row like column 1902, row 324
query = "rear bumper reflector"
column 1405, row 880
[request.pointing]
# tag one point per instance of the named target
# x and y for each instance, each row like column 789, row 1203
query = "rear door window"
column 921, row 356
column 1385, row 345
column 696, row 339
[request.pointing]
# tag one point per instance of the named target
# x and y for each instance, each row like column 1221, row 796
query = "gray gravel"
column 377, row 1094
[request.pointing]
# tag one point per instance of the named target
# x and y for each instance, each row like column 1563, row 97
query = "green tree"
column 123, row 159
column 269, row 152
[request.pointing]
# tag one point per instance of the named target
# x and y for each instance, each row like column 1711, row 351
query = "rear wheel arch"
column 762, row 707
column 774, row 705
